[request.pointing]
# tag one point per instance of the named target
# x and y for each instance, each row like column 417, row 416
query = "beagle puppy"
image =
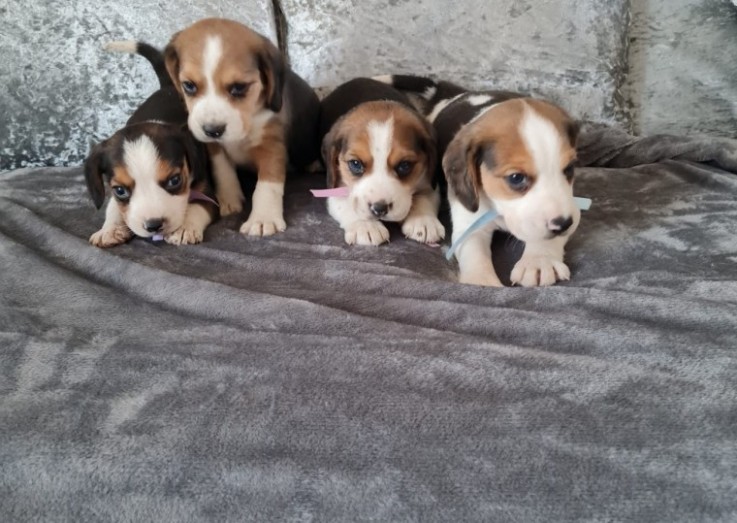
column 249, row 108
column 379, row 147
column 158, row 174
column 510, row 153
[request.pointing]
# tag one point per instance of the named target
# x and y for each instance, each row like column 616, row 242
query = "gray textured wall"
column 683, row 76
column 62, row 91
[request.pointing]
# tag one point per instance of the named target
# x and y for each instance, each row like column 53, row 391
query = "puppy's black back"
column 352, row 94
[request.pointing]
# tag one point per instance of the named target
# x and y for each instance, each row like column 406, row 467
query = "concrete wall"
column 61, row 91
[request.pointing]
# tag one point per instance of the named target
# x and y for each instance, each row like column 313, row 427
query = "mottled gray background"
column 649, row 65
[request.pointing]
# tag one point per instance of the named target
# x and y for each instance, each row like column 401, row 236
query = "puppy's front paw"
column 486, row 279
column 230, row 203
column 424, row 229
column 366, row 232
column 534, row 271
column 185, row 235
column 263, row 225
column 110, row 237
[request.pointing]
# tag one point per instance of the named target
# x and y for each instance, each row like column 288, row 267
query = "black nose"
column 560, row 225
column 214, row 131
column 153, row 225
column 380, row 208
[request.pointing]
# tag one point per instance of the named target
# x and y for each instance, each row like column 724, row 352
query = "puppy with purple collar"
column 157, row 173
column 375, row 144
column 511, row 154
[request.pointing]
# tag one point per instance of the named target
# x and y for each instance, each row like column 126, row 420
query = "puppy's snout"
column 560, row 224
column 213, row 130
column 380, row 208
column 153, row 225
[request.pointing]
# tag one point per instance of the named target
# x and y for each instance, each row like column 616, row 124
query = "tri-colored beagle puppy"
column 515, row 155
column 158, row 174
column 250, row 109
column 378, row 146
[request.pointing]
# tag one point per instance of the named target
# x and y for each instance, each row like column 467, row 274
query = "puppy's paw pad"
column 539, row 271
column 110, row 237
column 263, row 226
column 366, row 233
column 483, row 279
column 424, row 229
column 185, row 236
column 230, row 203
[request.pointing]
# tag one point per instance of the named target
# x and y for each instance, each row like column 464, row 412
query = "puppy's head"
column 520, row 155
column 149, row 169
column 384, row 152
column 228, row 76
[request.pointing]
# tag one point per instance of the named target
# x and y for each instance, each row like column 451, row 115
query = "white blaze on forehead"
column 381, row 135
column 210, row 58
column 141, row 158
column 542, row 140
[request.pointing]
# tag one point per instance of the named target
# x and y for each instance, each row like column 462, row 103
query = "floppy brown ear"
column 171, row 59
column 428, row 146
column 94, row 167
column 273, row 74
column 461, row 167
column 573, row 127
column 332, row 144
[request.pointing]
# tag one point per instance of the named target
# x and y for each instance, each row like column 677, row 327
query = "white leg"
column 542, row 263
column 358, row 230
column 193, row 228
column 227, row 187
column 422, row 224
column 474, row 254
column 267, row 212
column 114, row 231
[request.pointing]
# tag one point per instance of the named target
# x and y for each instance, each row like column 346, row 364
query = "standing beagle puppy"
column 250, row 109
column 379, row 147
column 157, row 173
column 509, row 153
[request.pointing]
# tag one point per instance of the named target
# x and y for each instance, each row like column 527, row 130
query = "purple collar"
column 197, row 195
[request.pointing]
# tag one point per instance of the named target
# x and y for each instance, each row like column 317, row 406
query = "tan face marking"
column 395, row 151
column 220, row 67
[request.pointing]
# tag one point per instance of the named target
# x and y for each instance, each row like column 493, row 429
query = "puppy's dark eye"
column 121, row 193
column 518, row 181
column 189, row 88
column 569, row 171
column 238, row 89
column 173, row 182
column 356, row 167
column 404, row 168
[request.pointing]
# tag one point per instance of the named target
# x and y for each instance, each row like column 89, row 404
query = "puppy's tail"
column 149, row 52
column 421, row 86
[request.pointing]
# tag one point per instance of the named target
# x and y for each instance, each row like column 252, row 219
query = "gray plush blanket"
column 296, row 378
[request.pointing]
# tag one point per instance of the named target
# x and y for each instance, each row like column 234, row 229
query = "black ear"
column 273, row 74
column 94, row 167
column 461, row 166
column 197, row 157
column 171, row 60
column 332, row 144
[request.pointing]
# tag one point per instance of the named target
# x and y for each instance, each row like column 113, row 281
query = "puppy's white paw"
column 186, row 235
column 366, row 232
column 110, row 237
column 423, row 228
column 534, row 271
column 486, row 279
column 263, row 225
